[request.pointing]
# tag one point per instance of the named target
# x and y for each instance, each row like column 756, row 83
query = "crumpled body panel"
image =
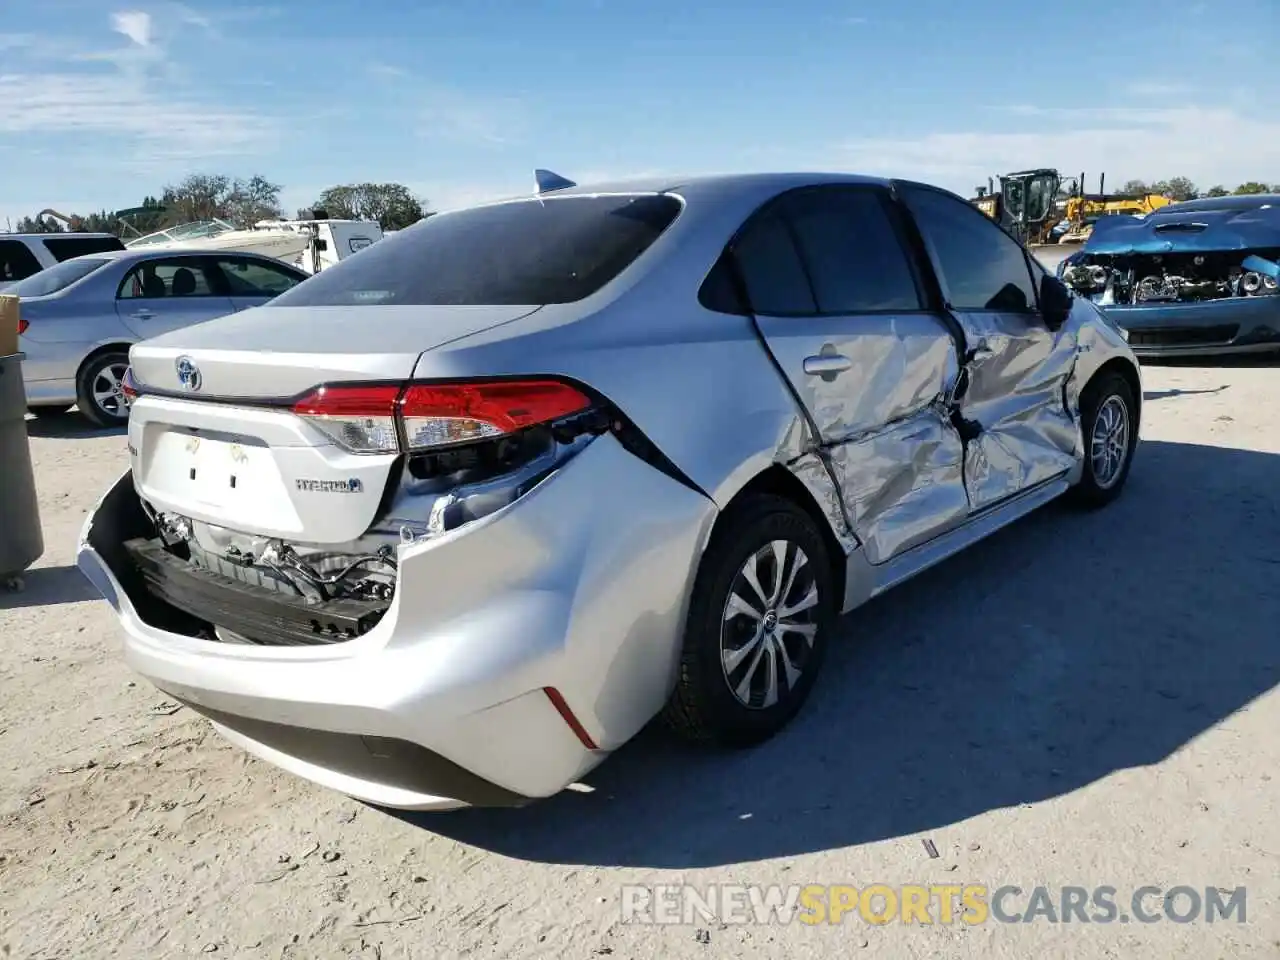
column 903, row 484
column 1016, row 395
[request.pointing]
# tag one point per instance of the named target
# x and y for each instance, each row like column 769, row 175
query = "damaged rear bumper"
column 1238, row 325
column 568, row 599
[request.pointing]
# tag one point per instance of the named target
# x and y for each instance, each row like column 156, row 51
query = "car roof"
column 694, row 186
column 55, row 236
column 137, row 254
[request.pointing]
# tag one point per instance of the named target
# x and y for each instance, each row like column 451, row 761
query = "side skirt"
column 865, row 580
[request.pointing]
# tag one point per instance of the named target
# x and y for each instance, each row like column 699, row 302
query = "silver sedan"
column 80, row 317
column 601, row 454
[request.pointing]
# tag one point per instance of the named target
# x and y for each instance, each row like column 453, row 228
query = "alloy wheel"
column 107, row 390
column 1109, row 443
column 770, row 619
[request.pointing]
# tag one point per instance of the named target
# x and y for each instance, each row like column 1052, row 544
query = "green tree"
column 1178, row 188
column 204, row 196
column 1217, row 191
column 1138, row 187
column 392, row 205
column 1252, row 187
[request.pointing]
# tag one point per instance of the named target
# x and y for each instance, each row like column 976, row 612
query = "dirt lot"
column 1085, row 699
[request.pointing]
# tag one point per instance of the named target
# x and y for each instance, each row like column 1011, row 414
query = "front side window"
column 982, row 267
column 246, row 277
column 851, row 250
column 176, row 277
column 56, row 278
column 557, row 249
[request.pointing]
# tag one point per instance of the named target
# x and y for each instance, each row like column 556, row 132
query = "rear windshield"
column 56, row 278
column 553, row 250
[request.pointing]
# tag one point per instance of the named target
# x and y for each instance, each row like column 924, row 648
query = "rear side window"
column 772, row 271
column 981, row 265
column 156, row 279
column 548, row 250
column 855, row 261
column 64, row 248
column 58, row 277
column 16, row 261
column 254, row 278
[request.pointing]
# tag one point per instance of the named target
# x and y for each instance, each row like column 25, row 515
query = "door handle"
column 142, row 315
column 827, row 364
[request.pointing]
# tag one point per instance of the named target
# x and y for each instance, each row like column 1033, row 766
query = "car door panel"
column 168, row 293
column 870, row 381
column 1016, row 368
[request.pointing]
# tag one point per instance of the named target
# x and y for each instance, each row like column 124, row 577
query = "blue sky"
column 102, row 101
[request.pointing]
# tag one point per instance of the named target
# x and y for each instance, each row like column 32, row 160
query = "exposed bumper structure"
column 508, row 664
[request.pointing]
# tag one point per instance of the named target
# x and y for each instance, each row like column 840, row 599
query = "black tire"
column 102, row 411
column 704, row 707
column 1099, row 486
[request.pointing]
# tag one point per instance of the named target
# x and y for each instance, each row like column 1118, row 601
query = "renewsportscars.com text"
column 925, row 904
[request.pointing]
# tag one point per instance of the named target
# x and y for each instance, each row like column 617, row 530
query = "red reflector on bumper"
column 579, row 731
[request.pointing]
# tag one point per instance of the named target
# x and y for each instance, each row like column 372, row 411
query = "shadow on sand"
column 64, row 425
column 45, row 586
column 1062, row 650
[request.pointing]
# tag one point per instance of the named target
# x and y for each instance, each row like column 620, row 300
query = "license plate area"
column 210, row 469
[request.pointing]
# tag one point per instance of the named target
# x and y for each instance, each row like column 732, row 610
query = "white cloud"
column 164, row 127
column 134, row 24
column 1208, row 144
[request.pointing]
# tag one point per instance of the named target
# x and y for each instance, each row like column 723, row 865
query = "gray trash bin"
column 21, row 539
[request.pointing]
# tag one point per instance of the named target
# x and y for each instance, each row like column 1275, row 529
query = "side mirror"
column 1055, row 302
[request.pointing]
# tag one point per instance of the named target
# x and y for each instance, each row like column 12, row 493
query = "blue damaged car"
column 1194, row 278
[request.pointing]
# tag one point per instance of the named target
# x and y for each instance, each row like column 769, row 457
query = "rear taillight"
column 361, row 419
column 436, row 415
column 369, row 419
column 23, row 324
column 129, row 386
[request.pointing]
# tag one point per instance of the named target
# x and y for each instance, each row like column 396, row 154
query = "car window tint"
column 55, row 278
column 982, row 266
column 64, row 248
column 16, row 261
column 555, row 249
column 719, row 291
column 155, row 279
column 853, row 256
column 254, row 278
column 772, row 271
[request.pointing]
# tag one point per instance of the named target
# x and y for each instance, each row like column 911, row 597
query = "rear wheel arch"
column 776, row 480
column 96, row 352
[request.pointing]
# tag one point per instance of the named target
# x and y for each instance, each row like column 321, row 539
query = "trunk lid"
column 272, row 352
column 257, row 468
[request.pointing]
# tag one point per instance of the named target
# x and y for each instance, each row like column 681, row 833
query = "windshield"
column 540, row 251
column 56, row 278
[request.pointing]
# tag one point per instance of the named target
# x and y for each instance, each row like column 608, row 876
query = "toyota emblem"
column 188, row 373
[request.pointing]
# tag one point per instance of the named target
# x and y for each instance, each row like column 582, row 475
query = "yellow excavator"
column 1041, row 209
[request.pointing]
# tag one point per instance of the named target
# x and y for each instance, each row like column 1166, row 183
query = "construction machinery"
column 1040, row 208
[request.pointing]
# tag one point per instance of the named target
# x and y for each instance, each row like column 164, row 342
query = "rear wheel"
column 1108, row 413
column 758, row 622
column 100, row 389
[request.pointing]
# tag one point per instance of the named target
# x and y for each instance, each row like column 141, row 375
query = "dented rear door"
column 1019, row 431
column 842, row 310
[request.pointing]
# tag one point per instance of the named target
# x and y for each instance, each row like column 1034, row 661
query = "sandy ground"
column 1085, row 699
